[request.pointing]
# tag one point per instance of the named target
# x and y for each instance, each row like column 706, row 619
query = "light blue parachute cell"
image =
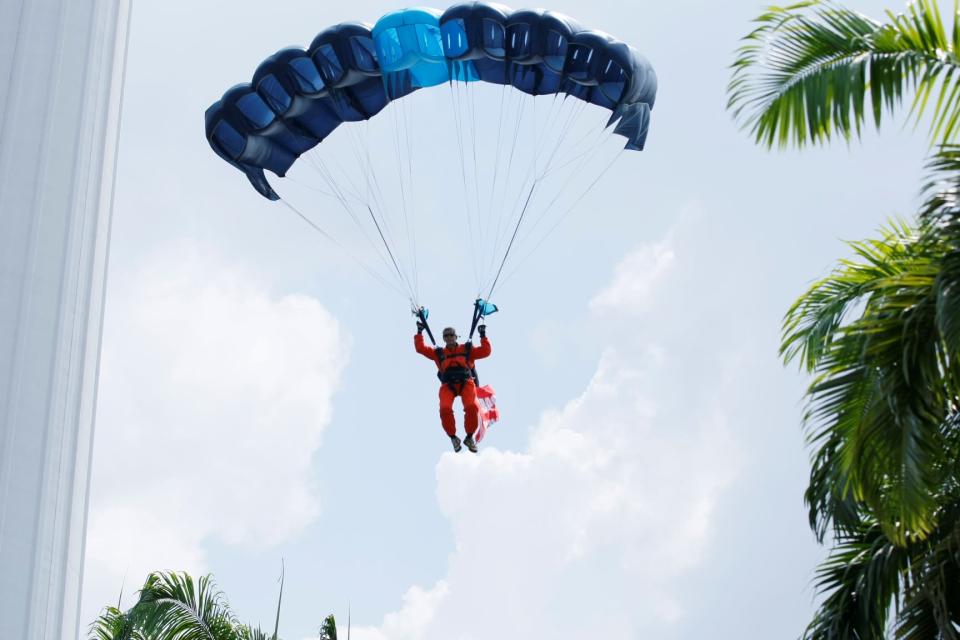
column 410, row 51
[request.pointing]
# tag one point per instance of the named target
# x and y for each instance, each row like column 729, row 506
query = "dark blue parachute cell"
column 537, row 43
column 350, row 73
column 474, row 40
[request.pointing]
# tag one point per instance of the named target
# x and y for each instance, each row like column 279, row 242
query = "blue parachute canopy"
column 351, row 71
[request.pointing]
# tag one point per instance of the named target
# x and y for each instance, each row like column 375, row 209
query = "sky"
column 260, row 400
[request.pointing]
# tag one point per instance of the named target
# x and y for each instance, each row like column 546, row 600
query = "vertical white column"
column 61, row 75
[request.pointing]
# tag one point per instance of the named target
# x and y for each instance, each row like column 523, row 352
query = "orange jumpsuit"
column 456, row 357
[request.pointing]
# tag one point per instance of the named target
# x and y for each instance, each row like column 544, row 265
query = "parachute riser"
column 422, row 316
column 481, row 308
column 477, row 317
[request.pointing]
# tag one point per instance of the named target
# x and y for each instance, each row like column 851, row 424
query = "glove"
column 483, row 330
column 420, row 327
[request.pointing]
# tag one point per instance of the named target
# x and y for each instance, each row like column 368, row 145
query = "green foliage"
column 113, row 624
column 329, row 629
column 174, row 606
column 880, row 335
column 878, row 395
column 866, row 573
column 814, row 69
column 861, row 577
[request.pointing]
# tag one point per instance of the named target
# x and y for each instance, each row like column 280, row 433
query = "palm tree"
column 881, row 333
column 172, row 606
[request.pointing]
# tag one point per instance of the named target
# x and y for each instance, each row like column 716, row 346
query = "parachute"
column 352, row 72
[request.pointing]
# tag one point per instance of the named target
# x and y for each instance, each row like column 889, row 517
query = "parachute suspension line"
column 375, row 199
column 564, row 131
column 403, row 192
column 413, row 201
column 376, row 276
column 506, row 253
column 315, row 161
column 572, row 118
column 307, row 185
column 496, row 154
column 327, row 175
column 373, row 191
column 467, row 104
column 514, row 212
column 386, row 211
column 564, row 215
column 495, row 214
column 579, row 156
column 463, row 172
column 476, row 169
column 501, row 217
column 491, row 216
column 400, row 273
column 540, row 136
column 584, row 158
column 467, row 200
column 531, row 177
column 584, row 139
column 385, row 219
column 364, row 168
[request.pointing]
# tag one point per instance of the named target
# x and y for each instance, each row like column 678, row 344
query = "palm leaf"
column 174, row 607
column 879, row 393
column 860, row 579
column 245, row 632
column 113, row 624
column 807, row 71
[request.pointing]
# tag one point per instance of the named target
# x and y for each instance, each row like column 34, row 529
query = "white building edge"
column 61, row 76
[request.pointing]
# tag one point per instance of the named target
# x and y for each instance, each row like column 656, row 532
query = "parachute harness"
column 457, row 375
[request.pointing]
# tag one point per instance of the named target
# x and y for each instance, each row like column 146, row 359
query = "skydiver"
column 455, row 368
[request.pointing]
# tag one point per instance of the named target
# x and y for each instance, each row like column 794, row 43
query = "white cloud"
column 586, row 532
column 214, row 395
column 636, row 279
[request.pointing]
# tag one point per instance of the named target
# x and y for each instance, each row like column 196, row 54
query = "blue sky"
column 260, row 398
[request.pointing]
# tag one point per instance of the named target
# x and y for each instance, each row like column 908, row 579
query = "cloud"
column 214, row 395
column 587, row 532
column 636, row 279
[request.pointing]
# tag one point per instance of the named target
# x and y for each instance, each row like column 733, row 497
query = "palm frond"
column 931, row 602
column 879, row 392
column 172, row 605
column 861, row 579
column 805, row 73
column 829, row 497
column 113, row 624
column 246, row 632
